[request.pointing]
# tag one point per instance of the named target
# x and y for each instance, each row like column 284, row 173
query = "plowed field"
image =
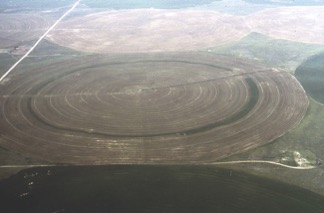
column 148, row 108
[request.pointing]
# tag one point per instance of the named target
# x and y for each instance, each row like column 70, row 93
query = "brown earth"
column 302, row 24
column 143, row 30
column 147, row 108
column 18, row 28
column 155, row 30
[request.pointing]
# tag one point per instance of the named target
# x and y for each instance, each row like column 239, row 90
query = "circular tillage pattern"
column 153, row 108
column 16, row 28
column 156, row 30
column 137, row 103
column 301, row 24
column 148, row 30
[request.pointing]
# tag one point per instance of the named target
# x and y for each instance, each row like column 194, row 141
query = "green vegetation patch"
column 151, row 189
column 49, row 49
column 6, row 61
column 307, row 139
column 311, row 75
column 273, row 52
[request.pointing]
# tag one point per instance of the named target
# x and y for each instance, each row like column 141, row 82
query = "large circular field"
column 148, row 30
column 156, row 30
column 18, row 28
column 147, row 108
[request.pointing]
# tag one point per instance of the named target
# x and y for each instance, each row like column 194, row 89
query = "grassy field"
column 6, row 61
column 151, row 189
column 311, row 75
column 45, row 52
column 307, row 139
column 49, row 49
column 273, row 52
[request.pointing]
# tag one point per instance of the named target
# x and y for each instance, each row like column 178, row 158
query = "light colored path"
column 260, row 161
column 24, row 166
column 39, row 40
column 214, row 163
column 317, row 102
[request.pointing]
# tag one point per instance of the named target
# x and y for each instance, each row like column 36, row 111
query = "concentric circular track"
column 181, row 107
column 16, row 28
column 148, row 30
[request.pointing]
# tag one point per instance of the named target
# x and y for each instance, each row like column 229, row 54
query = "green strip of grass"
column 273, row 52
column 311, row 76
column 151, row 189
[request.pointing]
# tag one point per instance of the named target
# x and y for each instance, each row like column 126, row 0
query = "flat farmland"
column 146, row 108
column 15, row 29
column 157, row 30
column 302, row 24
column 148, row 30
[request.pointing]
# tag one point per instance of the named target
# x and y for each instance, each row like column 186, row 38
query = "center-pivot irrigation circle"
column 190, row 107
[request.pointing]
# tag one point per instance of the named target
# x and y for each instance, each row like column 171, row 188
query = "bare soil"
column 156, row 30
column 147, row 108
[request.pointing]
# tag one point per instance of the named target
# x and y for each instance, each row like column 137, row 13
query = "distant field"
column 132, row 4
column 115, row 4
column 270, row 51
column 288, row 2
column 16, row 29
column 148, row 30
column 311, row 75
column 44, row 51
column 302, row 24
column 33, row 4
column 156, row 30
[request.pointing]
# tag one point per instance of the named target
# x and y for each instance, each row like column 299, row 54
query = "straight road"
column 39, row 40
